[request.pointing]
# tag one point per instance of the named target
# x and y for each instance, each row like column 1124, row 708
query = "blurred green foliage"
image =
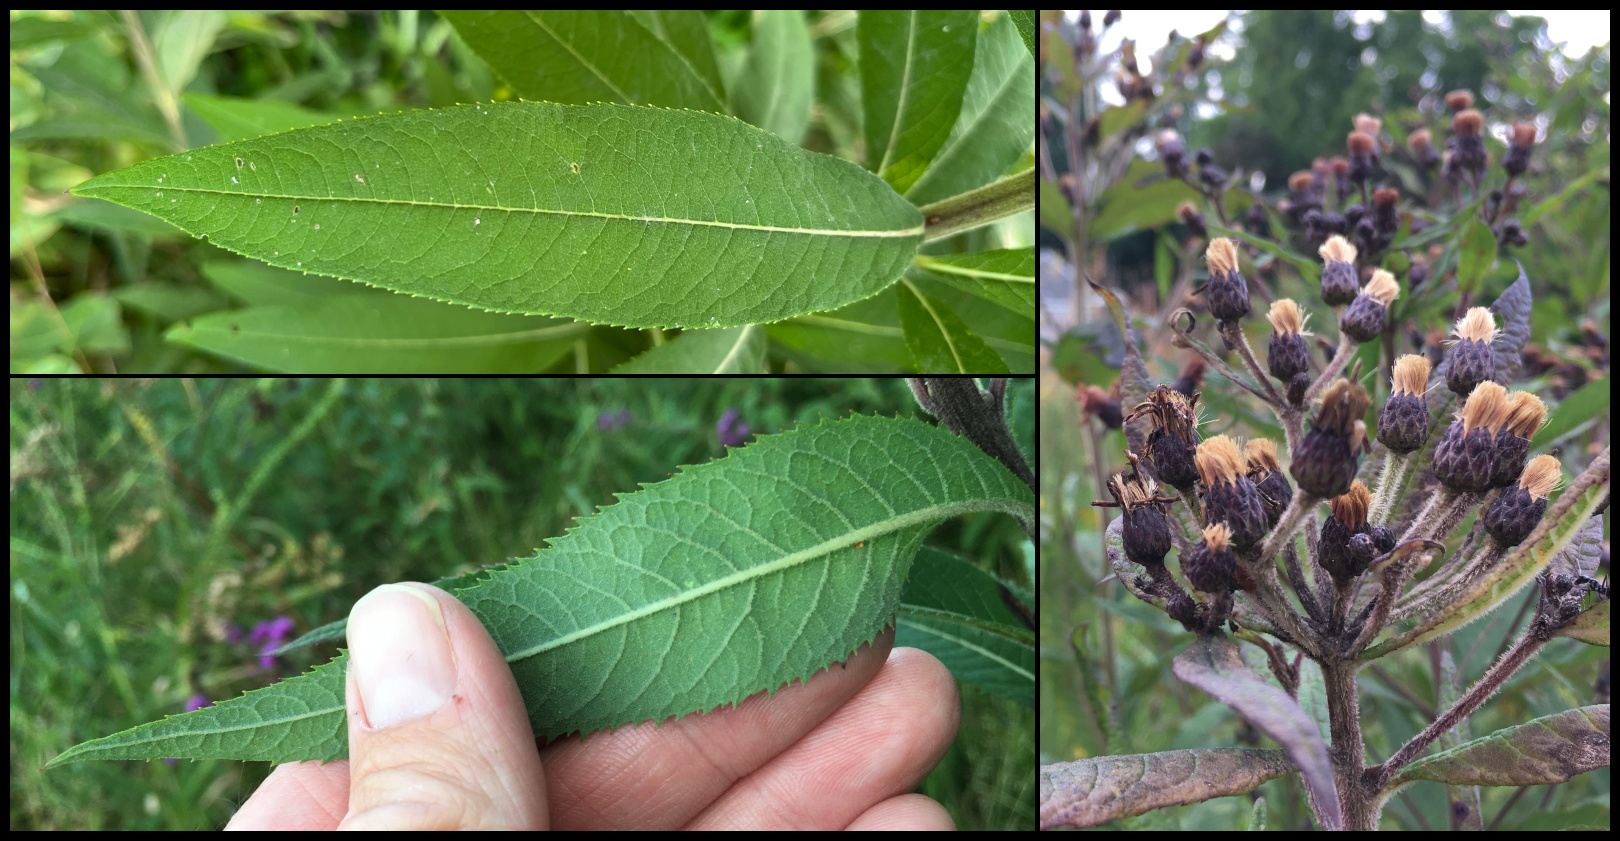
column 148, row 516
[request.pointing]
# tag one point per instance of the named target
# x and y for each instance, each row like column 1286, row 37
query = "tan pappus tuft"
column 1468, row 123
column 1343, row 404
column 1541, row 476
column 1477, row 325
column 1351, row 506
column 1217, row 535
column 1222, row 255
column 1368, row 124
column 1337, row 250
column 1360, row 144
column 1411, row 374
column 1261, row 452
column 1382, row 287
column 1486, row 408
column 1523, row 133
column 1286, row 317
column 1218, row 461
column 1525, row 413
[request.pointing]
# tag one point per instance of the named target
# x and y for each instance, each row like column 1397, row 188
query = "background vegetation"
column 96, row 287
column 150, row 518
column 1276, row 91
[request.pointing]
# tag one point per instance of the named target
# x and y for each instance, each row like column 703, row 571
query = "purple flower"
column 610, row 421
column 732, row 431
column 269, row 636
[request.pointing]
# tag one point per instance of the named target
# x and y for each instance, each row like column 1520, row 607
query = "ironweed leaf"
column 730, row 578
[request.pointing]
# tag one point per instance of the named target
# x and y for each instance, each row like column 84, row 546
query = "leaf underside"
column 634, row 216
column 731, row 578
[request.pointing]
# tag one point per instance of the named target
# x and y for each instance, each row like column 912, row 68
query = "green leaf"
column 915, row 66
column 1005, row 277
column 994, row 129
column 1024, row 19
column 952, row 609
column 775, row 88
column 581, row 56
column 1546, row 751
column 731, row 578
column 938, row 340
column 738, row 350
column 381, row 334
column 640, row 217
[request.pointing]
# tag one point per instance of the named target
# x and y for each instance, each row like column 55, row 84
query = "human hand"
column 441, row 741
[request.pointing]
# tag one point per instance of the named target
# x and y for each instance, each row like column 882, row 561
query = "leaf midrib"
column 830, row 232
column 922, row 515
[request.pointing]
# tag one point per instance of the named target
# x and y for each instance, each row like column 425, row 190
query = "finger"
column 438, row 736
column 877, row 746
column 663, row 776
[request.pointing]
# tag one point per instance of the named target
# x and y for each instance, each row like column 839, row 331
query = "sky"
column 1580, row 29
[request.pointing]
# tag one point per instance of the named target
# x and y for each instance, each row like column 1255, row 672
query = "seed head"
column 1174, row 152
column 1208, row 565
column 1288, row 354
column 1525, row 412
column 1469, row 154
column 1229, row 496
column 1339, row 284
column 1326, row 459
column 1266, row 474
column 1364, row 320
column 1421, row 142
column 1472, row 360
column 1404, row 424
column 1228, row 291
column 1146, row 532
column 1515, row 512
column 1521, row 138
column 1363, row 151
column 1348, row 520
column 1174, row 438
column 1465, row 457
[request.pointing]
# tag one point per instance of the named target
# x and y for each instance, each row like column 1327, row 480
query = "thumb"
column 438, row 736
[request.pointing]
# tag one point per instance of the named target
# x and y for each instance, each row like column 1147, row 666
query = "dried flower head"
column 1275, row 493
column 1288, row 354
column 1364, row 320
column 1339, row 283
column 1209, row 563
column 1229, row 496
column 1465, row 456
column 1171, row 444
column 1326, row 459
column 1471, row 359
column 1515, row 512
column 1525, row 414
column 1348, row 520
column 1228, row 291
column 1520, row 139
column 1146, row 531
column 1404, row 424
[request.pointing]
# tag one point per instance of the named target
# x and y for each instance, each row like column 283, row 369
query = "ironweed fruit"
column 1174, row 439
column 1229, row 496
column 1228, row 291
column 1404, row 424
column 1515, row 512
column 1326, row 460
column 1463, row 460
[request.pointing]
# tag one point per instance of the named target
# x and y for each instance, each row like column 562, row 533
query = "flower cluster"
column 1247, row 502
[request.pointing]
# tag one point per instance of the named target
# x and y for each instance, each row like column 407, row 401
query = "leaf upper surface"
column 732, row 577
column 635, row 216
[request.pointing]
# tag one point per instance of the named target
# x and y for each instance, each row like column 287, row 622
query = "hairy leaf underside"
column 730, row 578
